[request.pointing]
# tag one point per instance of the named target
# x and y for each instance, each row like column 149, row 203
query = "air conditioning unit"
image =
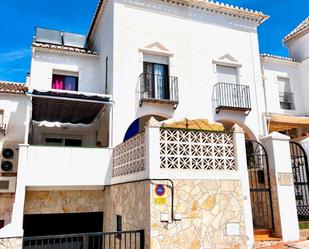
column 7, row 184
column 9, row 160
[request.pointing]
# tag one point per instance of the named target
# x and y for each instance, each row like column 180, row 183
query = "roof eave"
column 281, row 60
column 290, row 38
column 258, row 16
column 62, row 51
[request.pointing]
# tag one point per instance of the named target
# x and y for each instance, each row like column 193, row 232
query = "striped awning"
column 284, row 122
column 66, row 107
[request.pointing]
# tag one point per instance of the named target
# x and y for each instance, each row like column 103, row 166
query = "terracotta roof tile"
column 302, row 26
column 12, row 87
column 63, row 48
column 279, row 57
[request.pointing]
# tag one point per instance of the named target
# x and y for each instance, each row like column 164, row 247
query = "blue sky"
column 19, row 18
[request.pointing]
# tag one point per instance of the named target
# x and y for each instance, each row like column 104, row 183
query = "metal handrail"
column 102, row 240
column 230, row 95
column 160, row 87
column 286, row 100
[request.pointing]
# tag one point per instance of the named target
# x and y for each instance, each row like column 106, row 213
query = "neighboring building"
column 286, row 85
column 157, row 123
column 14, row 106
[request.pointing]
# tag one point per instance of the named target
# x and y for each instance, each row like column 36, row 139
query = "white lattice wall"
column 129, row 157
column 196, row 150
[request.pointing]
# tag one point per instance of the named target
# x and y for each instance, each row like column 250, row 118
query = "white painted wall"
column 49, row 166
column 299, row 49
column 16, row 110
column 195, row 38
column 304, row 73
column 274, row 69
column 283, row 195
column 102, row 42
column 44, row 62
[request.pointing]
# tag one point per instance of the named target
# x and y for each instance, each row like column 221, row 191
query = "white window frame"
column 228, row 65
column 61, row 136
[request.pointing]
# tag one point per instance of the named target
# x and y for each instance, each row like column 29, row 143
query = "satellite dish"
column 6, row 166
column 7, row 153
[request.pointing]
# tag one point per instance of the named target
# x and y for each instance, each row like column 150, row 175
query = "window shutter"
column 227, row 74
column 284, row 85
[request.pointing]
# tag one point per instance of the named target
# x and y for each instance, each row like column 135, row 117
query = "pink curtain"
column 58, row 82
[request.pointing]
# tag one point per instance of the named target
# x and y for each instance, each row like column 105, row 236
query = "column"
column 282, row 186
column 152, row 141
column 241, row 160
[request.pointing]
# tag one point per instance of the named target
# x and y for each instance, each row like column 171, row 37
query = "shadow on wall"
column 138, row 125
column 228, row 124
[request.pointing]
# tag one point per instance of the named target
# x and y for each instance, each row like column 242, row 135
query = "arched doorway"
column 228, row 124
column 259, row 179
column 300, row 171
column 260, row 186
column 138, row 125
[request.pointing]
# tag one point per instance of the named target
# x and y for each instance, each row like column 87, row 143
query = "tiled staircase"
column 264, row 235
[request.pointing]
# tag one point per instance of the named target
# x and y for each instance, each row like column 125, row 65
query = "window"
column 285, row 96
column 156, row 80
column 284, row 84
column 119, row 223
column 66, row 81
column 226, row 74
column 1, row 224
column 58, row 141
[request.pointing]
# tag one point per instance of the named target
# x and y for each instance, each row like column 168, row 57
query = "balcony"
column 232, row 97
column 286, row 101
column 64, row 166
column 155, row 88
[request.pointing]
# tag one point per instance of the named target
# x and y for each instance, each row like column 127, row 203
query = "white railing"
column 65, row 166
column 129, row 157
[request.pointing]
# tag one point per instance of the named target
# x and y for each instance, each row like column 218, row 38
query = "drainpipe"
column 265, row 114
column 255, row 85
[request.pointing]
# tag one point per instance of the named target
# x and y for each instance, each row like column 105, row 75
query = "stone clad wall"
column 11, row 243
column 132, row 202
column 6, row 207
column 206, row 206
column 45, row 202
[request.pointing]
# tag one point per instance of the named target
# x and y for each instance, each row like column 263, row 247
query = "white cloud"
column 14, row 55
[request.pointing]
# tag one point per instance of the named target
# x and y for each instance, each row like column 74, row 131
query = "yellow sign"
column 160, row 194
column 160, row 201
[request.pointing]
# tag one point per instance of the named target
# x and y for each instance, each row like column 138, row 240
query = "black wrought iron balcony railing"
column 286, row 100
column 232, row 97
column 158, row 89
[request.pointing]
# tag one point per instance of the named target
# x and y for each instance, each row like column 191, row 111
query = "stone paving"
column 275, row 245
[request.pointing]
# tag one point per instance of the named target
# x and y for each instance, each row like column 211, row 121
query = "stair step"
column 264, row 235
column 265, row 238
column 262, row 232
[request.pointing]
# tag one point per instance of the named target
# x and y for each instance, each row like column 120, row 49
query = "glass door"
column 161, row 81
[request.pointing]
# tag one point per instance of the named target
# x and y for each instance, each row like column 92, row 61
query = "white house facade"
column 14, row 106
column 162, row 128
